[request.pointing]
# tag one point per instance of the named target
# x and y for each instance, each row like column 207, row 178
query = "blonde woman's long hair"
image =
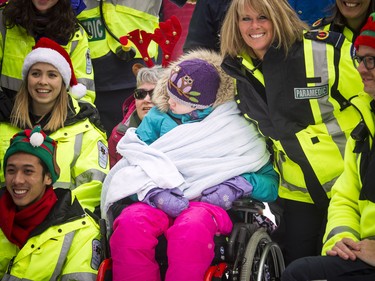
column 23, row 103
column 288, row 27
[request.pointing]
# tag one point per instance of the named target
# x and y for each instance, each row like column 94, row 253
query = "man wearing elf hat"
column 44, row 232
column 45, row 99
column 349, row 241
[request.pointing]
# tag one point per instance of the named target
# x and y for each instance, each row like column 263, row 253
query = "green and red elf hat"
column 37, row 143
column 367, row 35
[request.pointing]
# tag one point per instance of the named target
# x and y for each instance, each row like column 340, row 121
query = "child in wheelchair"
column 190, row 158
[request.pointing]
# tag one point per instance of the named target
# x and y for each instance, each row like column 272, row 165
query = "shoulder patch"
column 96, row 254
column 320, row 23
column 322, row 35
column 103, row 155
column 330, row 37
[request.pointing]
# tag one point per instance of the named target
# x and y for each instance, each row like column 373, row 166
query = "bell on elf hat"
column 48, row 51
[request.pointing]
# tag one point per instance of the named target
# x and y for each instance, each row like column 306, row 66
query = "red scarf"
column 17, row 225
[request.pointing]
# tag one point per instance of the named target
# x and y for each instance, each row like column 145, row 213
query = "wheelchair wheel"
column 263, row 260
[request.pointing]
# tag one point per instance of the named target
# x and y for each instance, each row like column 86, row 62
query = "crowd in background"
column 276, row 95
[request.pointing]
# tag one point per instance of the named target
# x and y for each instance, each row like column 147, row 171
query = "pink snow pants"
column 190, row 240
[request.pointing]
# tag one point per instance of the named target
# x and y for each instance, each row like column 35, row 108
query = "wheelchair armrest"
column 248, row 205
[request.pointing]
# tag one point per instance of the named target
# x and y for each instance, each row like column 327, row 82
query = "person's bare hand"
column 366, row 251
column 345, row 249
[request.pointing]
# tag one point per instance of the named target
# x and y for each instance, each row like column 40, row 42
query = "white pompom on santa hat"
column 48, row 51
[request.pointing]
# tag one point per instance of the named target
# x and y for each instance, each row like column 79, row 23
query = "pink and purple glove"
column 226, row 192
column 171, row 201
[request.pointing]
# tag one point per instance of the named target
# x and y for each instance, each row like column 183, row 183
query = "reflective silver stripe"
column 327, row 186
column 66, row 185
column 341, row 229
column 77, row 149
column 90, row 175
column 8, row 277
column 91, row 4
column 3, row 33
column 81, row 276
column 89, row 83
column 292, row 187
column 320, row 63
column 10, row 82
column 284, row 183
column 68, row 239
column 340, row 140
column 150, row 7
column 326, row 108
column 74, row 46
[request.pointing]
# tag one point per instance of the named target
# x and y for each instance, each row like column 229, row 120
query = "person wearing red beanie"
column 349, row 245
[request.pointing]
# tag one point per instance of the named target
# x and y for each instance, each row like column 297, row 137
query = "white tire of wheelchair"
column 251, row 249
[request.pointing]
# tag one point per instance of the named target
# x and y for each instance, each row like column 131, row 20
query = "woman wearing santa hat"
column 24, row 22
column 45, row 99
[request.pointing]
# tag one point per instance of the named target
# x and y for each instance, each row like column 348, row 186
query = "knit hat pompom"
column 48, row 51
column 78, row 91
column 194, row 83
column 367, row 35
column 37, row 143
column 36, row 139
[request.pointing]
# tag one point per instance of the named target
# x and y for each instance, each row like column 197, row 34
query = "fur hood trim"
column 226, row 88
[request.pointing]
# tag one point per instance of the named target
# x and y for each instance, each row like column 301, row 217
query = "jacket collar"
column 64, row 211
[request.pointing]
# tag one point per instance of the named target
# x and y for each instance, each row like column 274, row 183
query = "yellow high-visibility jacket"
column 15, row 44
column 121, row 17
column 64, row 247
column 301, row 104
column 327, row 25
column 82, row 154
column 351, row 213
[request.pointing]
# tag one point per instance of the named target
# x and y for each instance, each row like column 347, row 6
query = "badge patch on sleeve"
column 311, row 92
column 96, row 254
column 103, row 155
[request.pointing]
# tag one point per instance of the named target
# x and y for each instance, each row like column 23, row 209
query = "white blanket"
column 192, row 157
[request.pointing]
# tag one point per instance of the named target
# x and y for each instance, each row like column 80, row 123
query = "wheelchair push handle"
column 249, row 203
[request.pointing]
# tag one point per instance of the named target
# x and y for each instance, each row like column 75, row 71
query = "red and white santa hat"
column 48, row 51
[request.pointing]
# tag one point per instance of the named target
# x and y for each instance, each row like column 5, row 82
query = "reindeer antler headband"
column 166, row 36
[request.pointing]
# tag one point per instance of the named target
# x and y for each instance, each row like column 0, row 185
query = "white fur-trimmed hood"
column 226, row 88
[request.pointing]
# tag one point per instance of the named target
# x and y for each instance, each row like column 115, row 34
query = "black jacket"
column 205, row 25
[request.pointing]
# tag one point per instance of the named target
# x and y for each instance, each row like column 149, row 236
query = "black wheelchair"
column 247, row 254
